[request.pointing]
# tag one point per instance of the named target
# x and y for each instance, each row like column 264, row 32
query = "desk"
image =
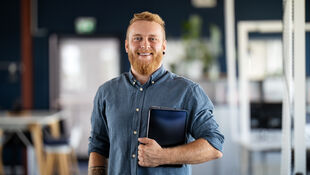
column 264, row 141
column 32, row 121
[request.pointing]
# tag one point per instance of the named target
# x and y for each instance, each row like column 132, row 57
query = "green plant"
column 196, row 47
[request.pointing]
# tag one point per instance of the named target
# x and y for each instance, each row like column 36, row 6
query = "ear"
column 164, row 45
column 126, row 45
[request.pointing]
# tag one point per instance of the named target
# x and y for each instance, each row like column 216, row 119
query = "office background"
column 58, row 17
column 112, row 20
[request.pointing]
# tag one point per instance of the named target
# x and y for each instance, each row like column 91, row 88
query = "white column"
column 243, row 63
column 287, row 98
column 231, row 65
column 299, row 87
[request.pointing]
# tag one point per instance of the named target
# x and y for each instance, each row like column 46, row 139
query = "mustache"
column 145, row 50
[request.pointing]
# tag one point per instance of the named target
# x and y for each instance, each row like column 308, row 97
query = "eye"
column 153, row 39
column 137, row 38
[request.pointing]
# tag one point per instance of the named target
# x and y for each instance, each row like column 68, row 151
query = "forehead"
column 145, row 28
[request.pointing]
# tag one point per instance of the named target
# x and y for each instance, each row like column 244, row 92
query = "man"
column 118, row 143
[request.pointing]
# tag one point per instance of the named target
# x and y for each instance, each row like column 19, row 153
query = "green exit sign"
column 85, row 25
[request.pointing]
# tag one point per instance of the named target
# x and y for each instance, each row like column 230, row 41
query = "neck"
column 141, row 78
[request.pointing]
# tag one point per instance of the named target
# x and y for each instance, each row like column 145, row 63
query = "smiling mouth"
column 144, row 54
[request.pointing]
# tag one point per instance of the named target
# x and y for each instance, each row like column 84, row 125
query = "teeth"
column 144, row 54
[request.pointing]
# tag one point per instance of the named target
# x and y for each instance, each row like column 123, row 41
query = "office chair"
column 62, row 149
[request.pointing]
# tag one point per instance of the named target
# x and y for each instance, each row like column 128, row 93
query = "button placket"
column 135, row 132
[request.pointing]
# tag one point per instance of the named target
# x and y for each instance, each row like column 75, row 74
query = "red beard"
column 145, row 67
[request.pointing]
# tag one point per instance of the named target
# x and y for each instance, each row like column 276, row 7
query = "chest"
column 128, row 111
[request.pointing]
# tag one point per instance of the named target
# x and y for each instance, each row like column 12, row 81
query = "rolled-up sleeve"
column 99, row 137
column 201, row 120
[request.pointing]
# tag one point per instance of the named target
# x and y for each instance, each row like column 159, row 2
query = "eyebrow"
column 136, row 34
column 152, row 35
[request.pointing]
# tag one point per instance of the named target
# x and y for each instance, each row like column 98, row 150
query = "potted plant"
column 200, row 56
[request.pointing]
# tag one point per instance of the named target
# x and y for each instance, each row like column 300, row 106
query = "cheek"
column 133, row 47
column 130, row 49
column 158, row 48
column 154, row 45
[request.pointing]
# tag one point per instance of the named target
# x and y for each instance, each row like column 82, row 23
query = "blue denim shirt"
column 120, row 114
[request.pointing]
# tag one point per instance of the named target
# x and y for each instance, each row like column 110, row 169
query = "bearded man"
column 118, row 144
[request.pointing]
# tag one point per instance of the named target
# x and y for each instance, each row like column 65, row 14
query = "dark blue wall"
column 58, row 17
column 113, row 16
column 10, row 91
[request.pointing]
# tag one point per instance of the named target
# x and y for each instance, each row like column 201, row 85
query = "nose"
column 145, row 44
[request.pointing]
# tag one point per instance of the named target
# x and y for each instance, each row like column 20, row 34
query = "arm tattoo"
column 97, row 170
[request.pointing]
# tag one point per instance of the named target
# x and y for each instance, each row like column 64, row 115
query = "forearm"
column 97, row 165
column 195, row 152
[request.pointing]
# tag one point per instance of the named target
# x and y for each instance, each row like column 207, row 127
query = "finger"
column 140, row 154
column 144, row 140
column 141, row 147
column 141, row 163
column 140, row 157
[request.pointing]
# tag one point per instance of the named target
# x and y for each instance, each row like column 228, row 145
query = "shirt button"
column 133, row 156
column 153, row 82
column 133, row 83
column 134, row 132
column 141, row 89
column 137, row 109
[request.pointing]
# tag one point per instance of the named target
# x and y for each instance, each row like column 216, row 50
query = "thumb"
column 144, row 140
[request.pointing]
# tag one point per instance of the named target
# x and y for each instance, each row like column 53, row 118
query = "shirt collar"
column 154, row 77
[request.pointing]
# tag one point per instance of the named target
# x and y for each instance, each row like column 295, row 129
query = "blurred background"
column 55, row 54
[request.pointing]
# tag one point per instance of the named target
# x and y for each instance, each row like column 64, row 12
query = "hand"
column 150, row 153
